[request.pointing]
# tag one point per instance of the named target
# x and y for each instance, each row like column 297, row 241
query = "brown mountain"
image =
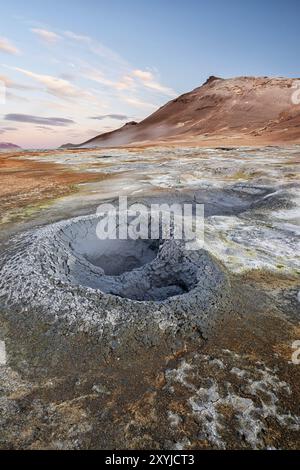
column 236, row 111
column 8, row 146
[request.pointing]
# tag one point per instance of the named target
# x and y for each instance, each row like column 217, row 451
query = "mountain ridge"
column 8, row 146
column 241, row 109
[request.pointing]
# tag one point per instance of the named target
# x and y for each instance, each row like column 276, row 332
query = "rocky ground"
column 28, row 186
column 89, row 370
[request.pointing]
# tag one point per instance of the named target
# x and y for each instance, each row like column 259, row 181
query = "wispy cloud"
column 3, row 130
column 48, row 36
column 149, row 80
column 126, row 83
column 118, row 117
column 96, row 75
column 56, row 86
column 13, row 97
column 95, row 47
column 143, row 75
column 132, row 80
column 45, row 128
column 48, row 121
column 138, row 103
column 7, row 46
column 9, row 83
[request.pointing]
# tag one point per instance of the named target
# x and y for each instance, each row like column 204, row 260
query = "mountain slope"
column 8, row 146
column 238, row 110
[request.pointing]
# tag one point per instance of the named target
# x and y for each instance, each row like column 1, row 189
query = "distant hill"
column 8, row 146
column 237, row 110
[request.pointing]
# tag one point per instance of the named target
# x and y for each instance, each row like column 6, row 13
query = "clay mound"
column 251, row 109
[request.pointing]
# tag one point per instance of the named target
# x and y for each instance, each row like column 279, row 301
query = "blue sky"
column 75, row 68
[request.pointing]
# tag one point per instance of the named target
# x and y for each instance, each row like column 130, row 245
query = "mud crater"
column 65, row 272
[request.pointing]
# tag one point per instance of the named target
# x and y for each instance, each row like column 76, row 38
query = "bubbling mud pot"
column 68, row 273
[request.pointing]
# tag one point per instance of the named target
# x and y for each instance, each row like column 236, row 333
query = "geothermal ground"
column 145, row 344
